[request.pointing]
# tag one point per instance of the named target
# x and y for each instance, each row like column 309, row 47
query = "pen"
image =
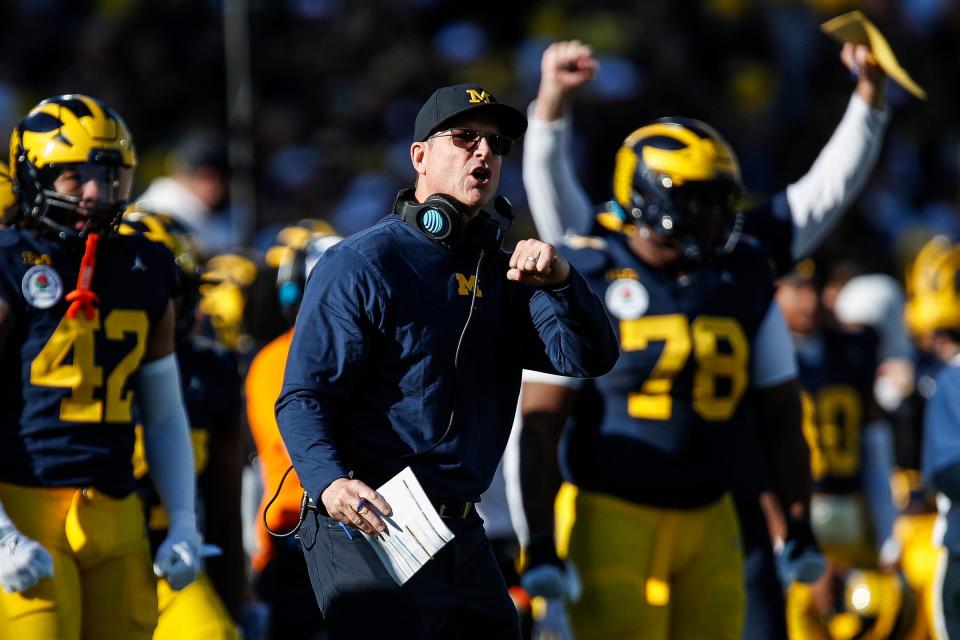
column 345, row 530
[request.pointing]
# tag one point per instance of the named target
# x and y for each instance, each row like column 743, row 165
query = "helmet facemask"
column 682, row 180
column 76, row 199
column 701, row 218
column 72, row 160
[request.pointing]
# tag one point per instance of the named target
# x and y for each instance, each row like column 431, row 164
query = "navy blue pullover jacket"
column 370, row 381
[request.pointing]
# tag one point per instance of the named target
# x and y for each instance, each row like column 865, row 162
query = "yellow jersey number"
column 679, row 337
column 831, row 424
column 83, row 375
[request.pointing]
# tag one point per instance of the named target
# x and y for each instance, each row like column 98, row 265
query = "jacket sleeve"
column 339, row 313
column 941, row 425
column 573, row 336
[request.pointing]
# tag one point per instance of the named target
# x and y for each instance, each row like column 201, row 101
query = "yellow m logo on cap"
column 477, row 96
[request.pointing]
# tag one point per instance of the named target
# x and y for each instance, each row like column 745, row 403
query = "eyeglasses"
column 470, row 138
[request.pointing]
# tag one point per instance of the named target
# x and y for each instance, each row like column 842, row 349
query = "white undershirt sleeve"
column 557, row 200
column 818, row 199
column 166, row 439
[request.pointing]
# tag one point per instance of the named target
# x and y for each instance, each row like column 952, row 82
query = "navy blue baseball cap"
column 447, row 103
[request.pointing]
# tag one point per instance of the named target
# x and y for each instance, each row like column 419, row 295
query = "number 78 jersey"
column 66, row 400
column 673, row 402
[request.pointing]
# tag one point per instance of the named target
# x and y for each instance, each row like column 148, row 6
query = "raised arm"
column 818, row 200
column 557, row 200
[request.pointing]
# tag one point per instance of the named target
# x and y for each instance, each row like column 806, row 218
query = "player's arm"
column 878, row 454
column 166, row 435
column 544, row 408
column 779, row 415
column 557, row 201
column 818, row 200
column 779, row 412
column 23, row 561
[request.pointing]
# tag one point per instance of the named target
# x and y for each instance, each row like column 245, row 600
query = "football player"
column 210, row 383
column 698, row 329
column 225, row 282
column 86, row 339
column 851, row 449
column 693, row 303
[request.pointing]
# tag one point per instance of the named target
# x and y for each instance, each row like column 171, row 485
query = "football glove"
column 799, row 558
column 178, row 558
column 23, row 561
column 550, row 621
column 547, row 575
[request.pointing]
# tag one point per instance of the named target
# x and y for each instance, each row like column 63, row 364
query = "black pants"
column 284, row 586
column 458, row 594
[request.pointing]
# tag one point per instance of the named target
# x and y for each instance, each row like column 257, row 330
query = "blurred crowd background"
column 334, row 86
column 269, row 112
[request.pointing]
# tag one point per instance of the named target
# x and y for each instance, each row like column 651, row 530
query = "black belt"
column 453, row 509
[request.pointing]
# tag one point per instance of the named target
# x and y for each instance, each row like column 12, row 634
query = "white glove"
column 178, row 558
column 23, row 561
column 550, row 581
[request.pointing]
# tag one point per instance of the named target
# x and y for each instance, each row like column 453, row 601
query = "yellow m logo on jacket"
column 465, row 286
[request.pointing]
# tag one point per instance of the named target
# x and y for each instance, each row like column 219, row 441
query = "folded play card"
column 856, row 28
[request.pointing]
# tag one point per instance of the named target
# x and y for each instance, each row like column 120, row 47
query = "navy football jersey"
column 837, row 370
column 673, row 401
column 211, row 385
column 67, row 401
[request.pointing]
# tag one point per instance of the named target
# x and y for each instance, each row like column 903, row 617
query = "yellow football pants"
column 919, row 561
column 193, row 613
column 653, row 573
column 102, row 585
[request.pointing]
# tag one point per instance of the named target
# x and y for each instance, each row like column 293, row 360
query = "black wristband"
column 542, row 550
column 800, row 532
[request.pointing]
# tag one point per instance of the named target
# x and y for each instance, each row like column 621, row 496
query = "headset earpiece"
column 291, row 280
column 441, row 218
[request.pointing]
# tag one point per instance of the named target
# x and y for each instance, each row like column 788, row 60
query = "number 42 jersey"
column 65, row 383
column 674, row 400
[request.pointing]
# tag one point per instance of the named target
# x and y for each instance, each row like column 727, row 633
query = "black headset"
column 291, row 279
column 441, row 218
